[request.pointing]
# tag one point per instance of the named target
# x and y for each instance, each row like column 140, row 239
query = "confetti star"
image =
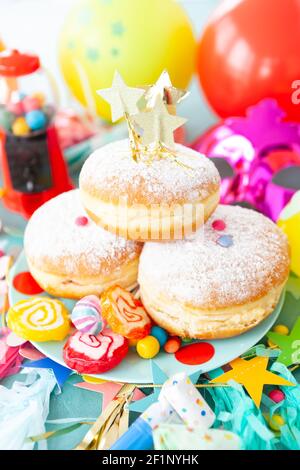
column 253, row 375
column 289, row 345
column 164, row 89
column 158, row 125
column 122, row 98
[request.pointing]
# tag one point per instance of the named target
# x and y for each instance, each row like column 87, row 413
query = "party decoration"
column 177, row 436
column 39, row 319
column 28, row 351
column 101, row 37
column 258, row 157
column 27, row 129
column 89, row 354
column 108, row 390
column 289, row 344
column 289, row 221
column 124, row 314
column 24, row 409
column 86, row 315
column 253, row 375
column 10, row 359
column 269, row 59
column 60, row 372
column 164, row 90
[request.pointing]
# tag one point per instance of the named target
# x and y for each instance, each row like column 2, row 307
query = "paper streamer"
column 178, row 437
column 24, row 409
column 187, row 402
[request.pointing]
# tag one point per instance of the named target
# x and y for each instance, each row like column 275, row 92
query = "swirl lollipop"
column 39, row 319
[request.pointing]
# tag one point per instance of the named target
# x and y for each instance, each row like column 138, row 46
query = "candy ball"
column 148, row 347
column 281, row 329
column 30, row 104
column 20, row 127
column 160, row 334
column 36, row 120
column 15, row 107
column 6, row 119
column 276, row 422
column 276, row 395
column 172, row 345
column 86, row 315
column 40, row 97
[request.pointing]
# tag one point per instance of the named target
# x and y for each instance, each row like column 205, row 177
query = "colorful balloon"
column 289, row 221
column 249, row 51
column 139, row 38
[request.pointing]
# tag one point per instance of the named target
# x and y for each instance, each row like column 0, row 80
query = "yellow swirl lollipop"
column 39, row 319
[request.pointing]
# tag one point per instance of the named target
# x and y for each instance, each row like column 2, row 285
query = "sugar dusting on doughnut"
column 205, row 272
column 60, row 234
column 112, row 172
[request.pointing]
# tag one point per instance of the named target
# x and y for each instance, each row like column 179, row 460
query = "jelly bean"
column 276, row 395
column 271, row 344
column 86, row 315
column 148, row 347
column 16, row 108
column 276, row 422
column 186, row 340
column 281, row 329
column 124, row 314
column 160, row 334
column 30, row 104
column 6, row 119
column 36, row 120
column 172, row 345
column 20, row 127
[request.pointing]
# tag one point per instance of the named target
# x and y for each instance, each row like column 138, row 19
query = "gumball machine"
column 32, row 164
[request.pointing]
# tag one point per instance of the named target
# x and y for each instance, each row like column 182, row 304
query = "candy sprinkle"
column 218, row 225
column 81, row 221
column 225, row 241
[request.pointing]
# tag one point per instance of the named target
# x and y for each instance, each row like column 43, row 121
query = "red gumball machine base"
column 33, row 170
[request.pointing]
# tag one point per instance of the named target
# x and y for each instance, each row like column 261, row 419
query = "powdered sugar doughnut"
column 89, row 354
column 70, row 256
column 145, row 201
column 220, row 282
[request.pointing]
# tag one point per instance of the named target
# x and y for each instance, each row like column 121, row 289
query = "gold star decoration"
column 122, row 98
column 253, row 375
column 158, row 125
column 164, row 89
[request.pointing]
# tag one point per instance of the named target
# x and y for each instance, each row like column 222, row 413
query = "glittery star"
column 253, row 375
column 289, row 345
column 164, row 89
column 122, row 98
column 158, row 125
column 117, row 28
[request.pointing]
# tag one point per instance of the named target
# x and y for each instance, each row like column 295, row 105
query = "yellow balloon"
column 289, row 221
column 139, row 38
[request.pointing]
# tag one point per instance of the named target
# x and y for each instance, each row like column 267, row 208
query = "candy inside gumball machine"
column 32, row 164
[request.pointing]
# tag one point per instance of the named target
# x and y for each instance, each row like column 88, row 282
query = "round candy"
column 172, row 345
column 15, row 107
column 36, row 120
column 160, row 334
column 31, row 103
column 281, row 329
column 89, row 354
column 148, row 347
column 276, row 422
column 276, row 395
column 39, row 319
column 40, row 97
column 124, row 314
column 6, row 119
column 86, row 315
column 20, row 127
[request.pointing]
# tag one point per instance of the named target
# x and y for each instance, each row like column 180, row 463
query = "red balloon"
column 250, row 50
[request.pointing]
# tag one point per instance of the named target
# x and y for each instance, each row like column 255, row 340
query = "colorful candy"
column 36, row 120
column 160, row 334
column 20, row 127
column 172, row 345
column 39, row 319
column 276, row 421
column 124, row 314
column 89, row 354
column 276, row 395
column 15, row 107
column 148, row 347
column 31, row 103
column 281, row 329
column 86, row 315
